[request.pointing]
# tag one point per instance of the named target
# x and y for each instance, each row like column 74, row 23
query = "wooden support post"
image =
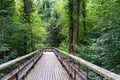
column 69, row 65
column 101, row 78
column 16, row 76
column 0, row 75
column 87, row 74
column 11, row 70
column 33, row 63
column 74, row 75
column 79, row 66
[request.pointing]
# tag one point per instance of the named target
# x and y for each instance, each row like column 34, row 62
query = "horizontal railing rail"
column 26, row 66
column 2, row 66
column 100, row 71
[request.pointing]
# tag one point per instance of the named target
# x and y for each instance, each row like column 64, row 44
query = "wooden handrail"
column 2, row 66
column 101, row 71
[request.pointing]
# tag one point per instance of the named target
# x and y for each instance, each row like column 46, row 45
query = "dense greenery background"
column 26, row 25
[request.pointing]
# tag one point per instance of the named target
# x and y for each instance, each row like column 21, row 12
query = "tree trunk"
column 84, row 16
column 0, row 18
column 77, row 21
column 27, row 13
column 0, row 22
column 0, row 2
column 25, row 20
column 71, row 30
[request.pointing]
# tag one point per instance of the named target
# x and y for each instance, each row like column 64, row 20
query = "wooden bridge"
column 54, row 64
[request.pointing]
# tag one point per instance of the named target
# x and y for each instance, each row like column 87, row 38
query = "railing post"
column 74, row 75
column 69, row 65
column 101, row 78
column 0, row 75
column 16, row 76
column 87, row 74
column 11, row 70
column 33, row 63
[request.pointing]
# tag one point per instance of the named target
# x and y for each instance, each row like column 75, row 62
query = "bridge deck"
column 48, row 68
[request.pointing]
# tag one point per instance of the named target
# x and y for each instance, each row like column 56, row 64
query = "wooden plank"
column 48, row 68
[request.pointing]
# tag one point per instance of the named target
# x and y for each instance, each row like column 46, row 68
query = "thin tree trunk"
column 0, row 18
column 77, row 21
column 71, row 26
column 77, row 24
column 25, row 33
column 0, row 31
column 27, row 20
column 84, row 16
column 26, row 11
column 0, row 2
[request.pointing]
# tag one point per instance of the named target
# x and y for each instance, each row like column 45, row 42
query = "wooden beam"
column 2, row 66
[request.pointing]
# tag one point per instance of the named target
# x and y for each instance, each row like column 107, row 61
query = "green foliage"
column 101, row 44
column 7, row 9
column 3, row 47
column 44, row 23
column 51, row 17
column 12, row 29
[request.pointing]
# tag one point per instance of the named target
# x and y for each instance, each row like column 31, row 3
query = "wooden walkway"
column 48, row 68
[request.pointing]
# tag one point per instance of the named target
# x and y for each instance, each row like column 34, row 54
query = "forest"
column 89, row 29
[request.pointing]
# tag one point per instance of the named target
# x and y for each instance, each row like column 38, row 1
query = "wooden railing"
column 22, row 70
column 101, row 72
column 76, row 72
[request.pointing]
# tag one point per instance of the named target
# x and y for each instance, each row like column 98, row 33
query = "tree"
column 77, row 21
column 84, row 15
column 102, row 40
column 6, row 14
column 50, row 17
column 45, row 10
column 28, row 9
column 71, row 29
column 54, row 35
column 16, row 27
